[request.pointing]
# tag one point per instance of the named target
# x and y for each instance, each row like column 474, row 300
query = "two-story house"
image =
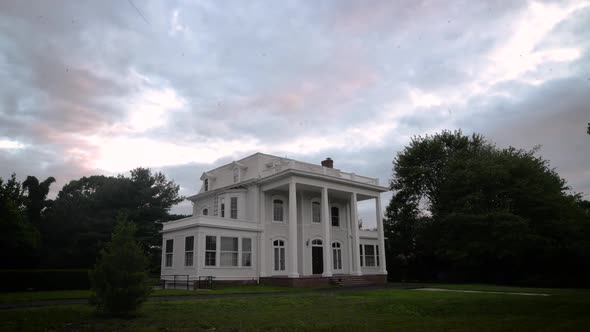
column 272, row 220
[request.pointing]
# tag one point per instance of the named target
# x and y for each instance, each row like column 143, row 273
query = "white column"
column 355, row 236
column 327, row 234
column 349, row 254
column 263, row 244
column 382, row 263
column 292, row 230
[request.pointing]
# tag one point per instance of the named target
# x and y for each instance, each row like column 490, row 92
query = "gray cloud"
column 279, row 72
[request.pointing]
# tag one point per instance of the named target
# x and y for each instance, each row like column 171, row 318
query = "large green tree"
column 21, row 212
column 464, row 209
column 20, row 238
column 83, row 215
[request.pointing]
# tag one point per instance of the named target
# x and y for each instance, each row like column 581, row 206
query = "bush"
column 120, row 280
column 43, row 279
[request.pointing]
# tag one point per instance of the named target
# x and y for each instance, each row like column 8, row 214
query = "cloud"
column 94, row 88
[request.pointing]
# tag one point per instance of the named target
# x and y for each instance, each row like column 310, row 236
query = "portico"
column 336, row 232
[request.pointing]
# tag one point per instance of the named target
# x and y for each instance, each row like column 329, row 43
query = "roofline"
column 286, row 172
column 325, row 177
column 217, row 190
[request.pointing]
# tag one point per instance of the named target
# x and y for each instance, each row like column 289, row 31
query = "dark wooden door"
column 317, row 260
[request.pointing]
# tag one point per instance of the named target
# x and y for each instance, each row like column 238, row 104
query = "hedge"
column 22, row 280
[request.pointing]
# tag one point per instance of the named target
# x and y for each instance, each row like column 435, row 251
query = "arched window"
column 316, row 212
column 278, row 210
column 205, row 212
column 316, row 243
column 279, row 255
column 337, row 255
column 335, row 216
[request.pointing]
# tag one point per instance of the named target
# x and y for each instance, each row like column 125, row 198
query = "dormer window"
column 236, row 175
column 206, row 184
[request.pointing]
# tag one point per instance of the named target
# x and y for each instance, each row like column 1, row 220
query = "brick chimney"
column 328, row 162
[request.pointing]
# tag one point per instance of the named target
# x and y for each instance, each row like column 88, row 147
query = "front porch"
column 338, row 280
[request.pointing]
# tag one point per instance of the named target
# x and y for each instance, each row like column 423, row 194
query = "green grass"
column 84, row 294
column 379, row 310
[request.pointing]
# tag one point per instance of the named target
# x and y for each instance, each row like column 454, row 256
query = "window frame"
column 337, row 255
column 205, row 211
column 210, row 258
column 316, row 202
column 236, row 174
column 169, row 259
column 234, row 254
column 337, row 216
column 279, row 246
column 189, row 253
column 244, row 252
column 282, row 210
column 206, row 184
column 233, row 207
column 222, row 207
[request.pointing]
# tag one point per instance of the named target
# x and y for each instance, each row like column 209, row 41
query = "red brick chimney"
column 328, row 162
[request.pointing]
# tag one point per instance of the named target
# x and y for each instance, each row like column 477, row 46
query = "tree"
column 83, row 215
column 20, row 239
column 466, row 210
column 36, row 197
column 120, row 280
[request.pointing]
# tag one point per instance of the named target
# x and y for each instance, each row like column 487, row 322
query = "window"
column 233, row 205
column 246, row 252
column 316, row 243
column 335, row 216
column 361, row 253
column 206, row 184
column 216, row 205
column 222, row 208
column 229, row 251
column 189, row 247
column 278, row 210
column 210, row 250
column 236, row 175
column 369, row 255
column 377, row 254
column 169, row 251
column 205, row 211
column 316, row 212
column 279, row 255
column 337, row 255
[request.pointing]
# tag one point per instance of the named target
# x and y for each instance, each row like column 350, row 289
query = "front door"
column 317, row 260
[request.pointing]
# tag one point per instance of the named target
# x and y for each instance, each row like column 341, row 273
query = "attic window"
column 236, row 175
column 206, row 184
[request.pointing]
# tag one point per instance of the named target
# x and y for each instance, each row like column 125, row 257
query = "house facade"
column 272, row 220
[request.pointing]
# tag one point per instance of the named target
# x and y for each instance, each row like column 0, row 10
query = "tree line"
column 70, row 230
column 465, row 210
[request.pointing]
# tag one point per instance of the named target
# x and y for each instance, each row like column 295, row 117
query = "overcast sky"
column 101, row 87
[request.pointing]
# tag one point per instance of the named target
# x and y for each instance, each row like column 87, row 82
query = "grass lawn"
column 378, row 310
column 83, row 294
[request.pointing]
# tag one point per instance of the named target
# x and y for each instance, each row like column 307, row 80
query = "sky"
column 102, row 87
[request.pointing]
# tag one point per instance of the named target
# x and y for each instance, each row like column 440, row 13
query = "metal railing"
column 175, row 277
column 205, row 282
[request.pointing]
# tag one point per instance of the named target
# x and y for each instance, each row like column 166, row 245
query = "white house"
column 272, row 220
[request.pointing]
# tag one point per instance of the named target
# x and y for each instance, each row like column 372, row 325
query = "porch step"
column 350, row 281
